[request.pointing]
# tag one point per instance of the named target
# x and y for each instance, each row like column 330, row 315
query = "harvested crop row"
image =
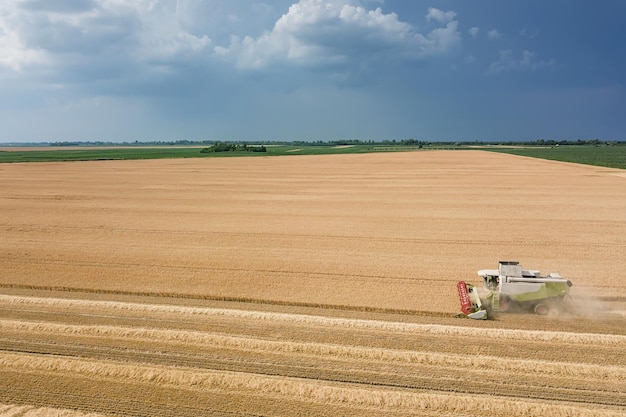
column 471, row 332
column 213, row 341
column 313, row 391
column 295, row 349
column 12, row 410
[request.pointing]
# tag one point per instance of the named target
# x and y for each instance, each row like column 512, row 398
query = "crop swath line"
column 482, row 368
column 357, row 396
column 323, row 372
column 244, row 300
column 57, row 402
column 379, row 379
column 27, row 410
column 316, row 349
column 413, row 328
column 385, row 355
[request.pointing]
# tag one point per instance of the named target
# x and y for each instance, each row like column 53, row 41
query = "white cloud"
column 160, row 47
column 440, row 15
column 78, row 39
column 334, row 32
column 14, row 53
column 530, row 33
column 473, row 31
column 65, row 32
column 494, row 34
column 527, row 62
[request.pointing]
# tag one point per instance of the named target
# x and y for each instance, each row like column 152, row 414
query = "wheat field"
column 306, row 285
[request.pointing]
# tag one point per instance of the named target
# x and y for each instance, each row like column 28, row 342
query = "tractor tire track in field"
column 274, row 236
column 190, row 360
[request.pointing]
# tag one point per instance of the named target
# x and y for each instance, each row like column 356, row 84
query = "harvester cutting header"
column 511, row 288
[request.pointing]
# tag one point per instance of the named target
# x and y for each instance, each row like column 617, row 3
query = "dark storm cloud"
column 341, row 68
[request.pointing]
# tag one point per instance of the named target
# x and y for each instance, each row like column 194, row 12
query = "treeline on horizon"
column 394, row 142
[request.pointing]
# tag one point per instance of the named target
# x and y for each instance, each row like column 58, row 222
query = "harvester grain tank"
column 510, row 287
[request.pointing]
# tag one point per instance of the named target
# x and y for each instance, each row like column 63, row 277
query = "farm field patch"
column 320, row 284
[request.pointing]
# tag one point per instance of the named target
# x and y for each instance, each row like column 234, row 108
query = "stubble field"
column 306, row 285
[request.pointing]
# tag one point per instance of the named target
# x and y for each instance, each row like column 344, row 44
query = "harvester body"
column 512, row 288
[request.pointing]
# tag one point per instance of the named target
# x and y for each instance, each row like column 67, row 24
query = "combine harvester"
column 511, row 288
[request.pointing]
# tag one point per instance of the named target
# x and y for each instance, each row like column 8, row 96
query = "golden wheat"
column 380, row 233
column 371, row 231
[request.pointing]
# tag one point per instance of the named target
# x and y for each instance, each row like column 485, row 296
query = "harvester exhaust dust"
column 511, row 288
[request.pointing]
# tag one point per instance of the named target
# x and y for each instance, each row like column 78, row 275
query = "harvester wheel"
column 542, row 309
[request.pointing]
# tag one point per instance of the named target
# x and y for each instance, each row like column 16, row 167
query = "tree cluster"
column 232, row 147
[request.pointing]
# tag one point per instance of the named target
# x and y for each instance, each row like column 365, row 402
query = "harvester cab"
column 512, row 288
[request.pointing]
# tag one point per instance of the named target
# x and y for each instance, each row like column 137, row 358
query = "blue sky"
column 126, row 70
